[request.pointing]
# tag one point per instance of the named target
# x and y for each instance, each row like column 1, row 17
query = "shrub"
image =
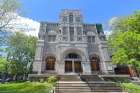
column 51, row 79
column 131, row 88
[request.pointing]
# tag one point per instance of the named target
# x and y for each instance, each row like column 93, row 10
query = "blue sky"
column 94, row 11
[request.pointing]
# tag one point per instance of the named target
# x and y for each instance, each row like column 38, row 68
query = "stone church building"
column 71, row 46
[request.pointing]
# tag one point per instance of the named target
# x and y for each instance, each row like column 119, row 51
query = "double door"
column 73, row 67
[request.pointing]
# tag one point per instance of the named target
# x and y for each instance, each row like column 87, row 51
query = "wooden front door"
column 94, row 63
column 93, row 66
column 68, row 66
column 50, row 63
column 77, row 67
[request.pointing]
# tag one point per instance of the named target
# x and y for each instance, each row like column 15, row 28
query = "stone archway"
column 50, row 62
column 94, row 63
column 84, row 61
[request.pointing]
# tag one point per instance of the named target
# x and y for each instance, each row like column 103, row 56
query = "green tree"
column 3, row 65
column 21, row 52
column 127, row 23
column 125, row 40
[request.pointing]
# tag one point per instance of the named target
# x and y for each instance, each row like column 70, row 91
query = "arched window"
column 50, row 63
column 73, row 56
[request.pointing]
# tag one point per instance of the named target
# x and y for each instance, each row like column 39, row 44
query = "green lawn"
column 131, row 88
column 26, row 87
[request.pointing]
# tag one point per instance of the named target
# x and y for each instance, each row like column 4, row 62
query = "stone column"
column 104, row 57
column 86, row 68
column 37, row 64
column 86, row 64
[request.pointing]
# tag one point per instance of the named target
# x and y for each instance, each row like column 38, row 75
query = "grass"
column 131, row 88
column 26, row 87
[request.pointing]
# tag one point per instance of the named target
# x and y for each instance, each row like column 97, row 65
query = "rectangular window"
column 71, row 33
column 91, row 39
column 65, row 38
column 78, row 19
column 79, row 33
column 64, row 19
column 51, row 38
column 71, row 18
column 64, row 31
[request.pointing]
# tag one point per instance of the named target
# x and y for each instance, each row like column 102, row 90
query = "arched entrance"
column 94, row 63
column 50, row 63
column 73, row 63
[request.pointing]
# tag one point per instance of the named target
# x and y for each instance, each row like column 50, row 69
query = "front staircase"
column 85, row 84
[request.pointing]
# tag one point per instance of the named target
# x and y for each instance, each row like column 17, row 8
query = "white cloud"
column 26, row 25
column 112, row 20
column 107, row 32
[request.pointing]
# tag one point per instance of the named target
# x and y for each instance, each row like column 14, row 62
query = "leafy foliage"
column 127, row 23
column 26, row 87
column 6, row 8
column 52, row 79
column 3, row 65
column 125, row 40
column 131, row 88
column 127, row 47
column 21, row 52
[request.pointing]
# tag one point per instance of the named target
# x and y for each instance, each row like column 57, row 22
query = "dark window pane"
column 71, row 33
column 71, row 18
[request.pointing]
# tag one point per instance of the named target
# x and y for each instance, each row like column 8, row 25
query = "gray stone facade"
column 70, row 41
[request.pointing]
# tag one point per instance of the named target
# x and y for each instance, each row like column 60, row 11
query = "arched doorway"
column 50, row 63
column 94, row 63
column 73, row 63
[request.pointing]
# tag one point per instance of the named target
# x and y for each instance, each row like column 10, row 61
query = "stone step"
column 65, row 84
column 77, row 87
column 85, row 84
column 78, row 91
column 69, row 78
column 91, row 78
column 93, row 92
column 85, row 87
